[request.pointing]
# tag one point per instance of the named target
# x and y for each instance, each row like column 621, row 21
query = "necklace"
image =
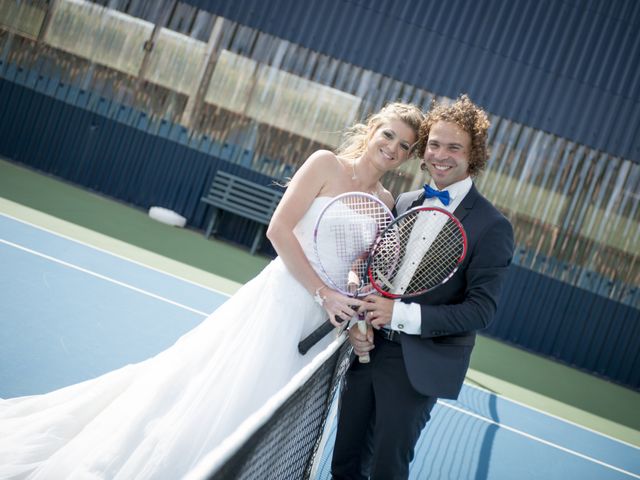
column 354, row 177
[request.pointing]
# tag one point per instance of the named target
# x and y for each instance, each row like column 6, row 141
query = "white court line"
column 103, row 277
column 548, row 414
column 448, row 405
column 102, row 250
column 538, row 439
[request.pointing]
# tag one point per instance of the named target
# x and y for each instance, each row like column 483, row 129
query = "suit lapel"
column 418, row 201
column 466, row 204
column 404, row 199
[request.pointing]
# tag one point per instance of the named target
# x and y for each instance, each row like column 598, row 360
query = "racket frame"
column 361, row 323
column 326, row 276
column 397, row 220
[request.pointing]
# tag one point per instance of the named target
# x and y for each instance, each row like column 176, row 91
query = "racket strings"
column 440, row 260
column 417, row 253
column 345, row 233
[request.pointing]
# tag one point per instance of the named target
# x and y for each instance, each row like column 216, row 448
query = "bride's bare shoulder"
column 323, row 156
column 324, row 163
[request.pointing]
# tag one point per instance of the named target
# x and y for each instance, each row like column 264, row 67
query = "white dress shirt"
column 406, row 317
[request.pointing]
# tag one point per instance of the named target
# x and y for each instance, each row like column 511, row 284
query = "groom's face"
column 447, row 153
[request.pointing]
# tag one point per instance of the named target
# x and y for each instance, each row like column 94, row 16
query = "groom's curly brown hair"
column 470, row 118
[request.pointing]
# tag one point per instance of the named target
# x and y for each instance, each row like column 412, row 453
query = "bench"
column 241, row 197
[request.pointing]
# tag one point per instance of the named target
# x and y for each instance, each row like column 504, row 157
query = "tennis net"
column 280, row 441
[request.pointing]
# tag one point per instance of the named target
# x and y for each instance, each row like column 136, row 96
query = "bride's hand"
column 340, row 307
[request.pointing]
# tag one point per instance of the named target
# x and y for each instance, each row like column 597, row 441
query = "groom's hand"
column 379, row 310
column 362, row 343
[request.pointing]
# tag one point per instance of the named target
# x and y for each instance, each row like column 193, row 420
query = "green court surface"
column 518, row 375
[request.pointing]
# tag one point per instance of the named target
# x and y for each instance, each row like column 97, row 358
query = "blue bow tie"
column 443, row 195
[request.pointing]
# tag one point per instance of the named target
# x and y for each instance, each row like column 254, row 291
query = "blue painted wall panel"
column 146, row 162
column 541, row 63
column 114, row 159
column 580, row 328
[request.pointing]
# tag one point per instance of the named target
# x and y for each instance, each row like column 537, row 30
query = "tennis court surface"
column 70, row 311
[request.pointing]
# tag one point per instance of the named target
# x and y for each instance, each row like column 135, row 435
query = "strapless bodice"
column 343, row 241
column 304, row 229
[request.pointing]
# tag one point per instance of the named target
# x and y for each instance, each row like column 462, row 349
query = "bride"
column 159, row 417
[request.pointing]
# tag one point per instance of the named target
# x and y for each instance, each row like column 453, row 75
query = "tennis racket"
column 344, row 234
column 417, row 252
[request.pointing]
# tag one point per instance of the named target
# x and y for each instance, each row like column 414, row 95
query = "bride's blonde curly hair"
column 357, row 137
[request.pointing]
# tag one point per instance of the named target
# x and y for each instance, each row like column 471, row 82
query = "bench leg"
column 257, row 240
column 212, row 222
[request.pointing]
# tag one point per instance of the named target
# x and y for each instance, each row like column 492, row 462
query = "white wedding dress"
column 158, row 418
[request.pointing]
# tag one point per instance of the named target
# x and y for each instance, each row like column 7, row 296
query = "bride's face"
column 390, row 145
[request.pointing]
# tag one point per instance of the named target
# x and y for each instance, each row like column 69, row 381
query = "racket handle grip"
column 314, row 337
column 362, row 326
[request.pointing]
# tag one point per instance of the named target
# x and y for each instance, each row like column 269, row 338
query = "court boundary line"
column 552, row 415
column 538, row 439
column 464, row 411
column 177, row 304
column 122, row 257
column 102, row 277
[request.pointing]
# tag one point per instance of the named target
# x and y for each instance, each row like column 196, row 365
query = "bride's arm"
column 309, row 182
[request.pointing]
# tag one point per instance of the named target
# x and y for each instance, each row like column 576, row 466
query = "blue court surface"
column 69, row 312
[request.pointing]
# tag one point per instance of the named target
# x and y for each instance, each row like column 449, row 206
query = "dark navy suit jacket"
column 437, row 359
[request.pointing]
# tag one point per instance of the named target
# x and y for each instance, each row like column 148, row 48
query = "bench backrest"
column 244, row 197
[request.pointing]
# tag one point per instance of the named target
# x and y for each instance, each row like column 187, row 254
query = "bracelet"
column 318, row 298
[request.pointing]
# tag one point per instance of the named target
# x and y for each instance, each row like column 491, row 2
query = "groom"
column 420, row 348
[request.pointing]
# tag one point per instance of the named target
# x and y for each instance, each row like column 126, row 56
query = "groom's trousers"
column 380, row 418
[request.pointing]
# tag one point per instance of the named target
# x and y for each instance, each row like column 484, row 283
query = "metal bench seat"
column 241, row 197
